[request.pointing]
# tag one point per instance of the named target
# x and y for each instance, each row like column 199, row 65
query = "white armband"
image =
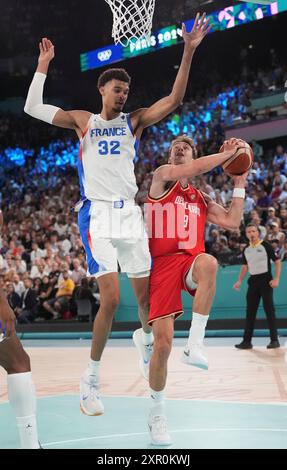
column 239, row 192
column 34, row 103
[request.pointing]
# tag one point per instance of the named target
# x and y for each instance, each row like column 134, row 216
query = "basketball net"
column 132, row 19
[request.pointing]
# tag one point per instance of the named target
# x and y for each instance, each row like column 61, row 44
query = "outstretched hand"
column 47, row 50
column 200, row 29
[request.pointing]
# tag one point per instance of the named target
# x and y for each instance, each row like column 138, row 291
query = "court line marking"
column 114, row 436
column 188, row 400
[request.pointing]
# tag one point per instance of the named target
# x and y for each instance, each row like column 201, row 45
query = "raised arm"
column 34, row 106
column 231, row 218
column 147, row 116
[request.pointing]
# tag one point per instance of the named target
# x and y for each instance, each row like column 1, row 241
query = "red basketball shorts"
column 167, row 280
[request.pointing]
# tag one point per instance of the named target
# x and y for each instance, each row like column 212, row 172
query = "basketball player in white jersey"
column 110, row 223
column 16, row 362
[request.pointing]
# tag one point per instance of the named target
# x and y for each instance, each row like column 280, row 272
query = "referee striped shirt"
column 258, row 258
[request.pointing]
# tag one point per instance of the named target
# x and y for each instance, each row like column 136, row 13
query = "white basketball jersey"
column 106, row 160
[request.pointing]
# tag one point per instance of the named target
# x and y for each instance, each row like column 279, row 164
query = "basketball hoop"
column 132, row 19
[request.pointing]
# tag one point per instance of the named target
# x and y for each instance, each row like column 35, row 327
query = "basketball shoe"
column 90, row 401
column 158, row 430
column 193, row 356
column 145, row 352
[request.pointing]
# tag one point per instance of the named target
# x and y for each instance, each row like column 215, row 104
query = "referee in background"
column 257, row 258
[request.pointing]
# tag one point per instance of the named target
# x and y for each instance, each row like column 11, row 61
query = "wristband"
column 239, row 192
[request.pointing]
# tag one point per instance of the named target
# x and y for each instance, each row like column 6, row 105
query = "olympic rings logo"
column 103, row 56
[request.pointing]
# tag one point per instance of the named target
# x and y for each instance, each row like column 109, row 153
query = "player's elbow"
column 174, row 101
column 233, row 226
column 31, row 110
column 163, row 174
column 229, row 224
column 27, row 109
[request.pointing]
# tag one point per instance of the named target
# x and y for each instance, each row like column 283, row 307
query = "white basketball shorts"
column 112, row 233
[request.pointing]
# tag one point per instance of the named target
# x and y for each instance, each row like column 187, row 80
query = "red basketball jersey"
column 176, row 221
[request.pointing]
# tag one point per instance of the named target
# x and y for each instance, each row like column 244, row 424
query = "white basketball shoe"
column 145, row 353
column 193, row 356
column 90, row 401
column 158, row 430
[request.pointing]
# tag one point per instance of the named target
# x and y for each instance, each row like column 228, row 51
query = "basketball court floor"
column 240, row 402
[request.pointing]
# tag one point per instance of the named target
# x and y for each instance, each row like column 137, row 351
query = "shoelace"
column 93, row 385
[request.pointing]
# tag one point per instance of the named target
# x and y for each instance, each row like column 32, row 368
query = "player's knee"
column 212, row 267
column 162, row 347
column 20, row 363
column 110, row 303
column 207, row 269
column 143, row 302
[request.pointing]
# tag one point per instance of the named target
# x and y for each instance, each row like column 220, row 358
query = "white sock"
column 21, row 394
column 197, row 329
column 147, row 338
column 94, row 368
column 157, row 402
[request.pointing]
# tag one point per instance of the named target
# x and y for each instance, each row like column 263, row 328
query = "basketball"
column 241, row 161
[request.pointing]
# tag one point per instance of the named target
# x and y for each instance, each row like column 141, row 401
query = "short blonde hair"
column 187, row 140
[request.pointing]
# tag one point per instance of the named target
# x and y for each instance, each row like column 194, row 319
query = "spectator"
column 271, row 217
column 13, row 298
column 78, row 272
column 27, row 312
column 36, row 252
column 45, row 294
column 283, row 195
column 60, row 303
column 276, row 234
column 18, row 285
column 283, row 218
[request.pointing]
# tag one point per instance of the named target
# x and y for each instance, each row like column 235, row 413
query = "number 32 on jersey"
column 109, row 148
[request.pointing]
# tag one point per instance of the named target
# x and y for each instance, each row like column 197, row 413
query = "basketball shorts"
column 167, row 280
column 114, row 233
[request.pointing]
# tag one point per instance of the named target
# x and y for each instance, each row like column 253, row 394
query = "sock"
column 197, row 329
column 21, row 394
column 147, row 338
column 94, row 368
column 157, row 402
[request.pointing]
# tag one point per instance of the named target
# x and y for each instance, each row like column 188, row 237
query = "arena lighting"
column 229, row 17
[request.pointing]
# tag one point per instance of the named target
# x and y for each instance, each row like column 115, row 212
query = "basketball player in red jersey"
column 177, row 213
column 16, row 362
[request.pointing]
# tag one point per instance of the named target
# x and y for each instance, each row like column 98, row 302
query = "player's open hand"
column 47, row 50
column 200, row 29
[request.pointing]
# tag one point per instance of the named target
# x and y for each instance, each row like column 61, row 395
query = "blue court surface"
column 192, row 424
